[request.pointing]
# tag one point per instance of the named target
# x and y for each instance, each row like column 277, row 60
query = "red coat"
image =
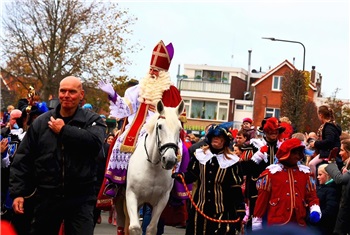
column 285, row 194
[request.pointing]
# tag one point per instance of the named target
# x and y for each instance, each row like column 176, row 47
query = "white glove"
column 5, row 162
column 315, row 213
column 108, row 88
column 256, row 223
column 259, row 156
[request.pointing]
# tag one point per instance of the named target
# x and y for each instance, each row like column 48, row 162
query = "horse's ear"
column 160, row 107
column 180, row 108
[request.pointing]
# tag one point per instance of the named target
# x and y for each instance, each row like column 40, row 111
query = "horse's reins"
column 161, row 148
column 199, row 210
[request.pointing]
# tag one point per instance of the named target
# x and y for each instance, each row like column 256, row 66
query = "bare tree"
column 47, row 40
column 294, row 98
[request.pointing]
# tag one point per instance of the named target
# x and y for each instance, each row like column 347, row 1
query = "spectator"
column 188, row 142
column 342, row 178
column 6, row 117
column 242, row 137
column 328, row 137
column 52, row 175
column 289, row 130
column 87, row 106
column 329, row 201
column 237, row 149
column 11, row 137
column 247, row 126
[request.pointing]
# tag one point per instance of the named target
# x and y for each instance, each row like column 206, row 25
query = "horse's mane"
column 149, row 126
column 169, row 113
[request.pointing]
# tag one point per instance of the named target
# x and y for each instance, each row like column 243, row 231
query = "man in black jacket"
column 52, row 177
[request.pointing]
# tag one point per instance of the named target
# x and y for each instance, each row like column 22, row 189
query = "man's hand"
column 17, row 205
column 3, row 144
column 56, row 124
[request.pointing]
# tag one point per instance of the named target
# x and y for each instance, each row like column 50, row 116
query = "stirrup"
column 111, row 190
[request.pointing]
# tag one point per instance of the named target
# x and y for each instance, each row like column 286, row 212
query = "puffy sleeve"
column 264, row 190
column 127, row 105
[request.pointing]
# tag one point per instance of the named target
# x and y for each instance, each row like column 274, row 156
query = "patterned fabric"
column 127, row 107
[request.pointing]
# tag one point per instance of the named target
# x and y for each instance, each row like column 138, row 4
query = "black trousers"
column 48, row 212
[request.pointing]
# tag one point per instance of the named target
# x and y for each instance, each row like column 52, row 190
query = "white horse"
column 150, row 167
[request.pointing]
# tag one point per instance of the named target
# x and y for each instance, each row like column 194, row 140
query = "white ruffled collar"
column 204, row 157
column 273, row 168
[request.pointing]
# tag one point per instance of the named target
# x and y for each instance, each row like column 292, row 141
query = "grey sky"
column 221, row 33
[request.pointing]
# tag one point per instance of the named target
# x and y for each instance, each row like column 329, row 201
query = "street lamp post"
column 282, row 40
column 179, row 80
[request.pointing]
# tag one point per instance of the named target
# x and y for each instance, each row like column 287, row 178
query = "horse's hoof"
column 135, row 230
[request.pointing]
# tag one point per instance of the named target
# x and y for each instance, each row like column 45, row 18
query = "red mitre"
column 162, row 56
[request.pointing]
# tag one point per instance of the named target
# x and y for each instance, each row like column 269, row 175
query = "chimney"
column 313, row 74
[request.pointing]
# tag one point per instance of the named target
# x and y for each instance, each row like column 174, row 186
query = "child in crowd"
column 237, row 149
column 342, row 178
column 329, row 201
column 248, row 127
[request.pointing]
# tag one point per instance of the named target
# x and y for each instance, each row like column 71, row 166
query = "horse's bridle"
column 161, row 148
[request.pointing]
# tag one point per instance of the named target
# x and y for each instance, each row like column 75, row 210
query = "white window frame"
column 272, row 112
column 222, row 106
column 278, row 86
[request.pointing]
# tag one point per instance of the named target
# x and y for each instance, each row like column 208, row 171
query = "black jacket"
column 62, row 164
column 343, row 218
column 330, row 139
column 329, row 204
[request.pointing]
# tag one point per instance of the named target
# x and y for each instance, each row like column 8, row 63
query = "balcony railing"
column 206, row 86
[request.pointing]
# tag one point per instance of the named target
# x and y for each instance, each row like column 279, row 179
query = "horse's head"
column 165, row 129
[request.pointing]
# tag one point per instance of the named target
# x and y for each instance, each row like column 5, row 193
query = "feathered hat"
column 272, row 124
column 283, row 151
column 36, row 110
column 222, row 129
column 162, row 56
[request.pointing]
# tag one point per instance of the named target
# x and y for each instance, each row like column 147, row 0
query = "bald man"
column 53, row 172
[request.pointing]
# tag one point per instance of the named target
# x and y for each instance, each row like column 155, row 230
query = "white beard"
column 152, row 88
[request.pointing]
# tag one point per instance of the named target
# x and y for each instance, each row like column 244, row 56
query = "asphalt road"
column 108, row 229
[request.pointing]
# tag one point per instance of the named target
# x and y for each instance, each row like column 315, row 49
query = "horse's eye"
column 160, row 127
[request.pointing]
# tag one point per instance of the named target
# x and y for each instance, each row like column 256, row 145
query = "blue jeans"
column 147, row 214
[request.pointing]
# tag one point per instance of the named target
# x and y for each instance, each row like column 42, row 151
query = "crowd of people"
column 57, row 161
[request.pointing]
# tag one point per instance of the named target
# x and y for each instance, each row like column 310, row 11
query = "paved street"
column 107, row 229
